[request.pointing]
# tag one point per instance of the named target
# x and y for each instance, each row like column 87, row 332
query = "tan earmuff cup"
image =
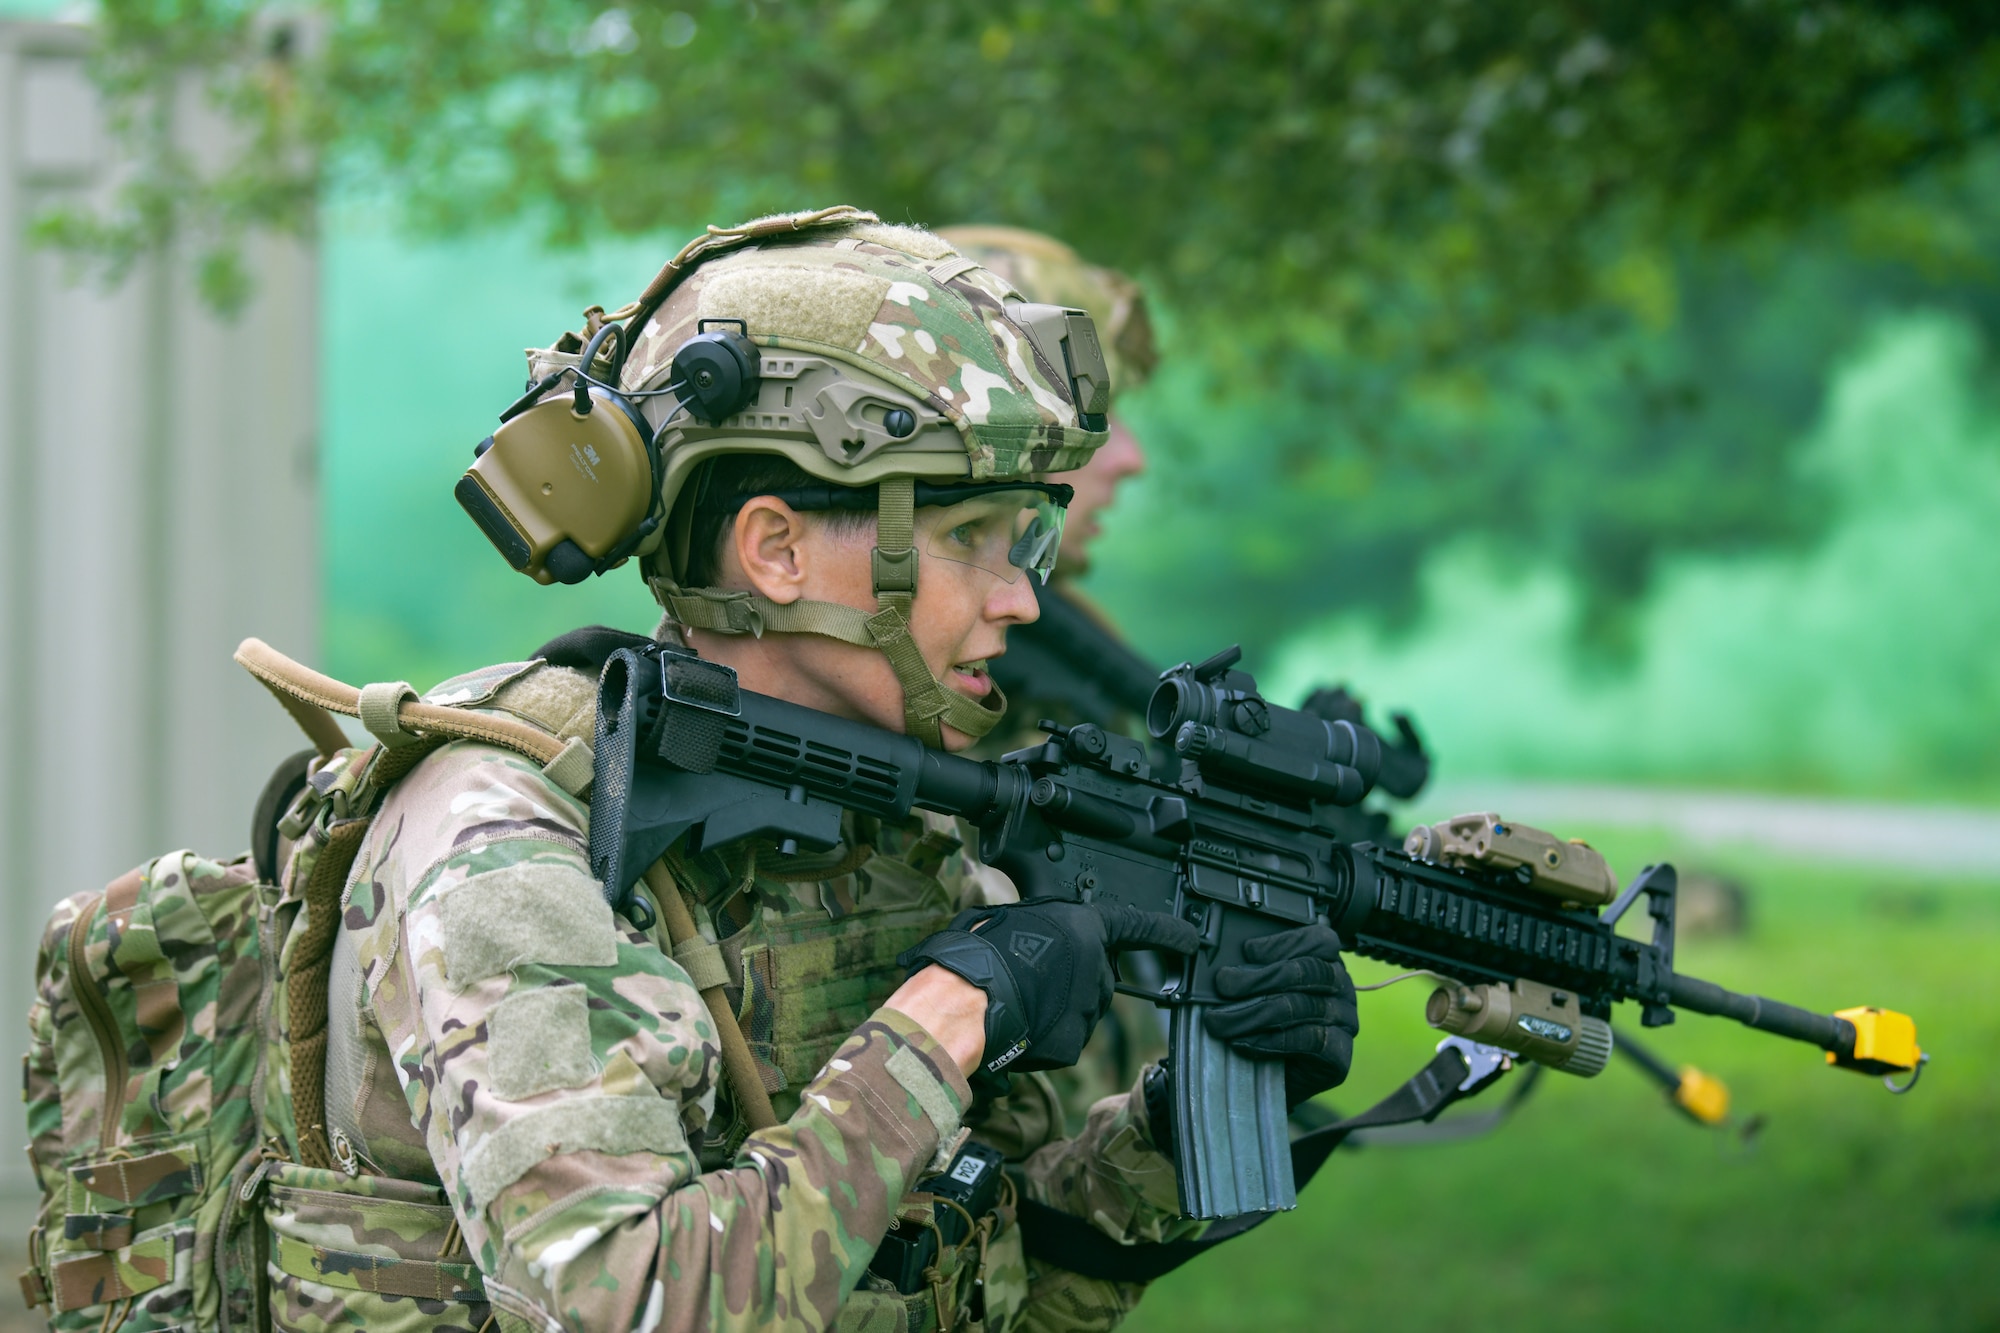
column 552, row 475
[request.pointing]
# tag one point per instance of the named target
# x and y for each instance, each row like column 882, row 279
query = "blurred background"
column 1610, row 386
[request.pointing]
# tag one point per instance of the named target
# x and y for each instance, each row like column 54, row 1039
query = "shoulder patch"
column 536, row 912
column 539, row 1040
column 612, row 1125
column 476, row 687
column 560, row 700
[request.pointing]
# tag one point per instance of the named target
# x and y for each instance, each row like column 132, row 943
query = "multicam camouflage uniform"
column 555, row 1071
column 483, row 1099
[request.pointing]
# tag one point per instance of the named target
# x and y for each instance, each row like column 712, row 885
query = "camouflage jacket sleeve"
column 556, row 1060
column 1112, row 1174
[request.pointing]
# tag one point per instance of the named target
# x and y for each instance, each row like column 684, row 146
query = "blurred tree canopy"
column 1592, row 443
column 1490, row 267
column 1411, row 175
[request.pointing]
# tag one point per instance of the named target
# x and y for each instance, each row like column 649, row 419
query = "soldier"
column 851, row 539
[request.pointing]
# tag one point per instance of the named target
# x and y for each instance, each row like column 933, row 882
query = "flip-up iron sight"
column 1213, row 715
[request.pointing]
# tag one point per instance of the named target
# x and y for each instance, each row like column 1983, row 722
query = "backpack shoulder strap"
column 407, row 729
column 396, row 717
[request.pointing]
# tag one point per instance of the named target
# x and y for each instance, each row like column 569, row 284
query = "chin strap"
column 928, row 706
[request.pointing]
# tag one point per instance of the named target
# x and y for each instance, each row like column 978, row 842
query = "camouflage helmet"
column 887, row 360
column 1042, row 268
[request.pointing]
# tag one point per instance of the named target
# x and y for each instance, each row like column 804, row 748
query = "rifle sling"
column 1070, row 1242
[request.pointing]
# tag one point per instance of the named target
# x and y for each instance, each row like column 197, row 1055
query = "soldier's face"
column 959, row 618
column 1096, row 484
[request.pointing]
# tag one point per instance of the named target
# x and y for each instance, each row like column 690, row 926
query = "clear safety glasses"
column 1005, row 528
column 1007, row 533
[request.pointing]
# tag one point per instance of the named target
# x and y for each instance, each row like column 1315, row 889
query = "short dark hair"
column 733, row 479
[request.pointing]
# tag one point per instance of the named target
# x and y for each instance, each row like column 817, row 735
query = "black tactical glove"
column 1045, row 965
column 1292, row 1000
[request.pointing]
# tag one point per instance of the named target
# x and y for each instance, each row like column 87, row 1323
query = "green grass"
column 1597, row 1208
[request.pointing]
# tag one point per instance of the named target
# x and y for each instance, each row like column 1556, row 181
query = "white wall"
column 157, row 504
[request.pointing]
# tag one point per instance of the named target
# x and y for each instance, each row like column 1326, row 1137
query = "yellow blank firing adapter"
column 1885, row 1043
column 1702, row 1095
column 1696, row 1093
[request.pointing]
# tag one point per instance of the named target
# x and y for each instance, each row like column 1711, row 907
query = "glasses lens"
column 1005, row 533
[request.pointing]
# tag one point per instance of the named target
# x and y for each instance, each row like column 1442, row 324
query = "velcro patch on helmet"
column 813, row 303
column 913, row 241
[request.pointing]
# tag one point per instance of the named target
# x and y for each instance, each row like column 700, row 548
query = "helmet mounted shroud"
column 873, row 357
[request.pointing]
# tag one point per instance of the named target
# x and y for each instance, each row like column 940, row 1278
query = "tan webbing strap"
column 409, row 730
column 307, row 983
column 306, row 987
column 946, row 269
column 926, row 702
column 737, row 1062
column 720, row 611
column 895, row 554
column 376, row 706
column 702, row 962
column 572, row 770
column 289, row 679
column 316, row 722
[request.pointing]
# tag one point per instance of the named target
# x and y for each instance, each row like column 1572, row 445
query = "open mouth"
column 970, row 678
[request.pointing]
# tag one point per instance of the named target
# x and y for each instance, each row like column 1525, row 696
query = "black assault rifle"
column 1236, row 839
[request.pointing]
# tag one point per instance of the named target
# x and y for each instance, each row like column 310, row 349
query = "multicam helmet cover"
column 1042, row 268
column 887, row 360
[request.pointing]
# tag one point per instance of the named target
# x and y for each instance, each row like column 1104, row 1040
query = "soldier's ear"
column 766, row 550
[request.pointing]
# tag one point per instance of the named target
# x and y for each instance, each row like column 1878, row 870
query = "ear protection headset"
column 567, row 486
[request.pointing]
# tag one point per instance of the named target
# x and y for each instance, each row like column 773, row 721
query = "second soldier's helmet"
column 1042, row 268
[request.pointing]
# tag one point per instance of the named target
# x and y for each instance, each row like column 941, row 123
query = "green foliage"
column 1424, row 261
column 1562, row 286
column 1862, row 662
column 162, row 67
column 1592, row 445
column 1416, row 177
column 1597, row 1208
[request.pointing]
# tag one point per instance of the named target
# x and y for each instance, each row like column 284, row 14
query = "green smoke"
column 1865, row 662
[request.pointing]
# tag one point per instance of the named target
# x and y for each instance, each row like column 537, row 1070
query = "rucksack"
column 176, row 1065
